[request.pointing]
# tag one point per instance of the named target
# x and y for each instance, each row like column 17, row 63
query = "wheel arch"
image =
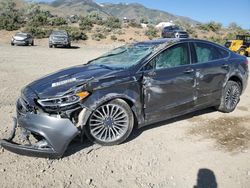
column 133, row 104
column 237, row 79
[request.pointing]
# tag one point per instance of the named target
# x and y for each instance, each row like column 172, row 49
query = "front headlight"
column 64, row 100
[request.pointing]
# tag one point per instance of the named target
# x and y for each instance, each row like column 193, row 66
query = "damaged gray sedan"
column 131, row 86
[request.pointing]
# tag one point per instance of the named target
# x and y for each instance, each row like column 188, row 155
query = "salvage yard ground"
column 207, row 144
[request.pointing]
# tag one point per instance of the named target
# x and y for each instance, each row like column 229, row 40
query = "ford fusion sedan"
column 131, row 86
column 22, row 39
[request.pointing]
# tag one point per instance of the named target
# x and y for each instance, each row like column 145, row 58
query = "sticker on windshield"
column 63, row 82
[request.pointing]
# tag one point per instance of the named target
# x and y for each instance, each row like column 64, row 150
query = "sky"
column 223, row 11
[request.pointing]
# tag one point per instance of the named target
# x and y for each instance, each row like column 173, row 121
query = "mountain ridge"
column 135, row 11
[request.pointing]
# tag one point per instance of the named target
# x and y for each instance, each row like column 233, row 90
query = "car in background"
column 59, row 38
column 22, row 39
column 173, row 32
column 131, row 86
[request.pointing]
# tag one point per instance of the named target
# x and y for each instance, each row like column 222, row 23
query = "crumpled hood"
column 59, row 83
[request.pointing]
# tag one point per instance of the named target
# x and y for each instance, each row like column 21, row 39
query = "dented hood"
column 58, row 83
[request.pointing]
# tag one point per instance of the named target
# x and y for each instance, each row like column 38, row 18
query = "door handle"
column 189, row 70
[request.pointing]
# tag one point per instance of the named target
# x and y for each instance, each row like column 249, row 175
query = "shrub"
column 38, row 32
column 151, row 32
column 134, row 24
column 113, row 23
column 211, row 26
column 144, row 21
column 86, row 24
column 58, row 21
column 78, row 35
column 75, row 33
column 98, row 36
column 113, row 37
column 121, row 40
column 10, row 17
column 95, row 18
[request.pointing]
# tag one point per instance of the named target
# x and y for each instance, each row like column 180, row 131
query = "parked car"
column 59, row 38
column 22, row 39
column 173, row 32
column 140, row 83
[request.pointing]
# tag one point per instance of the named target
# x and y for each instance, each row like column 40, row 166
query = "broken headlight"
column 64, row 100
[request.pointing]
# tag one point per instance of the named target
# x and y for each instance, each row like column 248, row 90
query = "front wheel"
column 111, row 123
column 230, row 97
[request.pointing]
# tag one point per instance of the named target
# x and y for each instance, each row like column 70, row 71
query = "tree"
column 37, row 17
column 234, row 26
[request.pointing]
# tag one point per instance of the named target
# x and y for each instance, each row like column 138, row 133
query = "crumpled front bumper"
column 56, row 134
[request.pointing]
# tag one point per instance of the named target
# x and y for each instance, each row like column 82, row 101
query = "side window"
column 173, row 57
column 206, row 52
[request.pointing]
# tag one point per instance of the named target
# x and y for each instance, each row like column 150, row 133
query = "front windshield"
column 177, row 28
column 21, row 35
column 123, row 57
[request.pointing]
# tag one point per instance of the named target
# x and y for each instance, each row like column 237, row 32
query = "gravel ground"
column 203, row 148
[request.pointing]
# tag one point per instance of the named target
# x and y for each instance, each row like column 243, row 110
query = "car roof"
column 167, row 41
column 59, row 32
column 21, row 33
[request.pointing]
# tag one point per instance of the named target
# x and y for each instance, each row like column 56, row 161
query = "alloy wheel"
column 109, row 123
column 232, row 97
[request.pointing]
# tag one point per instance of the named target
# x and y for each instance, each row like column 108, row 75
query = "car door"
column 168, row 83
column 211, row 66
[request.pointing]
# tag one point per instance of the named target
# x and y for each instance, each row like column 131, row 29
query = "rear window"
column 207, row 52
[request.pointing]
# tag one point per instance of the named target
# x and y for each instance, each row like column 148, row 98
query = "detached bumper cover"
column 57, row 133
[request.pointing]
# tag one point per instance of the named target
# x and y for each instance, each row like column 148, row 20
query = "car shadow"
column 79, row 144
column 136, row 132
column 72, row 47
column 206, row 179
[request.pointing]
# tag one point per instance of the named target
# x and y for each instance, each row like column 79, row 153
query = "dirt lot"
column 203, row 148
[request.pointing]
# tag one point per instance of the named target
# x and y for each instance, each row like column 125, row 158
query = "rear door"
column 211, row 66
column 168, row 84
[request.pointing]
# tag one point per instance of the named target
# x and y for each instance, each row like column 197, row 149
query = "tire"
column 32, row 44
column 12, row 44
column 111, row 123
column 230, row 97
column 242, row 51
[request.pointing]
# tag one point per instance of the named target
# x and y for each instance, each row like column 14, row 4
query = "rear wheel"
column 111, row 123
column 230, row 97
